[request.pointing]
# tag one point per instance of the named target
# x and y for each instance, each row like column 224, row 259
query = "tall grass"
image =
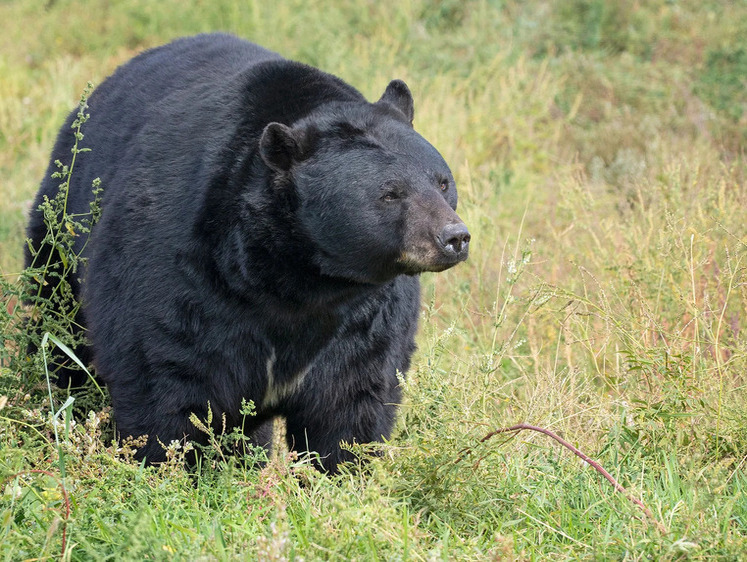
column 598, row 147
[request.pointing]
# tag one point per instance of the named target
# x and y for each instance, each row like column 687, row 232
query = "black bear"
column 262, row 231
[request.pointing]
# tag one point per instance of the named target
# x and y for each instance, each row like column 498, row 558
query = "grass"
column 599, row 151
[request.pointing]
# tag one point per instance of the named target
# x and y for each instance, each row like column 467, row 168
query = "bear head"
column 374, row 196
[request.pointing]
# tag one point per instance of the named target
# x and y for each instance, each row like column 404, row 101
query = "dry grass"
column 601, row 171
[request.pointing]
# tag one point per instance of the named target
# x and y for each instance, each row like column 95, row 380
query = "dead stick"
column 64, row 497
column 598, row 467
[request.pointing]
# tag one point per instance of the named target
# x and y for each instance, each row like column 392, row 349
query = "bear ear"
column 398, row 95
column 279, row 147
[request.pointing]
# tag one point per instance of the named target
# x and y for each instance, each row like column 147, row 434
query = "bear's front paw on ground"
column 262, row 231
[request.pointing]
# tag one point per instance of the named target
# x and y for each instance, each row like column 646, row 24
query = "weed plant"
column 599, row 151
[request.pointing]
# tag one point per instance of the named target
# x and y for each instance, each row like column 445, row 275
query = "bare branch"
column 598, row 467
column 66, row 500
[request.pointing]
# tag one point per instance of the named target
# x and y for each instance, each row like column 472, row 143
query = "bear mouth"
column 413, row 264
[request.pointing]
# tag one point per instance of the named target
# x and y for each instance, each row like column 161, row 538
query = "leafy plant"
column 41, row 300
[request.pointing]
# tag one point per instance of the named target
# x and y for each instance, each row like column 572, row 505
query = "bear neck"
column 252, row 240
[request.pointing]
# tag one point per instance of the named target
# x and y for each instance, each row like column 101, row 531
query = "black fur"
column 262, row 230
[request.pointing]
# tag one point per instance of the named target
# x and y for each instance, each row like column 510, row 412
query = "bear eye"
column 444, row 185
column 390, row 196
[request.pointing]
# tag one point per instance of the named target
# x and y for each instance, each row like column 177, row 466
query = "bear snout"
column 454, row 240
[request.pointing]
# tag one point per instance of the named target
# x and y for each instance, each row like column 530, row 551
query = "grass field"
column 599, row 150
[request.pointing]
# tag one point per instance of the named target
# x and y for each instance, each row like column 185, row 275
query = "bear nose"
column 454, row 238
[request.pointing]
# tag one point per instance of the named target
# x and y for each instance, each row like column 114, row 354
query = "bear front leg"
column 160, row 434
column 319, row 426
column 159, row 405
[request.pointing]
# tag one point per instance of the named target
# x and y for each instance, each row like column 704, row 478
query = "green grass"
column 599, row 151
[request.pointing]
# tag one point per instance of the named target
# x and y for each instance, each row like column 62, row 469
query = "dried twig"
column 598, row 467
column 66, row 500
